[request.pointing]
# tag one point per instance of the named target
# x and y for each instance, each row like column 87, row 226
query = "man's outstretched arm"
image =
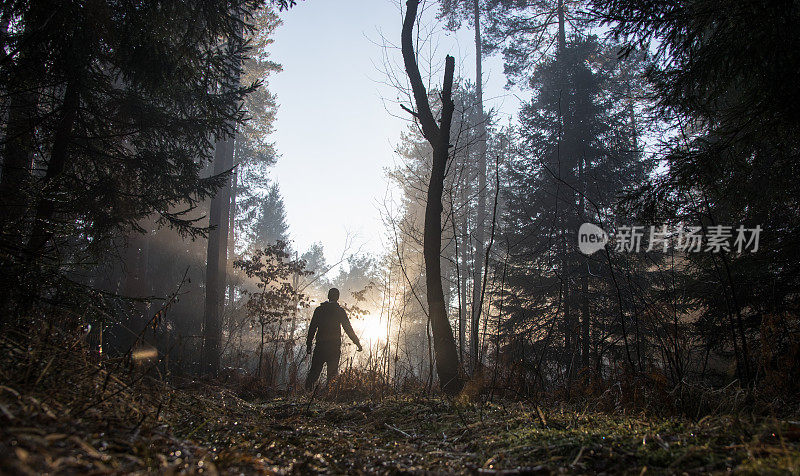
column 312, row 329
column 348, row 329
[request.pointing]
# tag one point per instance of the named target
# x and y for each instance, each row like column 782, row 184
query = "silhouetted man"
column 327, row 323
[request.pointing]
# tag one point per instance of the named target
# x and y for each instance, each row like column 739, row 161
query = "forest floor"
column 209, row 429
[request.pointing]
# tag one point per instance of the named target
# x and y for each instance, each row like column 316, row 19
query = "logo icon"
column 591, row 238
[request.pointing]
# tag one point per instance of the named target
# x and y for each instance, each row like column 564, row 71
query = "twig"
column 541, row 416
column 403, row 106
column 577, row 458
column 198, row 427
column 399, row 431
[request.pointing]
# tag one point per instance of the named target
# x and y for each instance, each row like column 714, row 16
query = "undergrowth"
column 65, row 412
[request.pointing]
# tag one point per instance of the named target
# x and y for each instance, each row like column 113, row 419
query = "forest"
column 583, row 262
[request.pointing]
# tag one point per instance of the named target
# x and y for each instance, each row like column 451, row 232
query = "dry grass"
column 62, row 412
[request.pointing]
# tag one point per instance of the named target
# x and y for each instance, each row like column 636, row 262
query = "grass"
column 210, row 429
column 404, row 434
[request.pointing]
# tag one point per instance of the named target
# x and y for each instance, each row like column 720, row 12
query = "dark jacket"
column 327, row 323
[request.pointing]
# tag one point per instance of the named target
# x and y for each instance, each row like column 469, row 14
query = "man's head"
column 333, row 295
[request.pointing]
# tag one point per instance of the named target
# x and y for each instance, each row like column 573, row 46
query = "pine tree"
column 574, row 159
column 252, row 143
column 112, row 113
column 270, row 226
column 528, row 32
column 723, row 80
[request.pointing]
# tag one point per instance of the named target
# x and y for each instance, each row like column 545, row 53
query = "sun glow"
column 370, row 328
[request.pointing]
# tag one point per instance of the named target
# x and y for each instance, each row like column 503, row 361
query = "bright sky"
column 333, row 132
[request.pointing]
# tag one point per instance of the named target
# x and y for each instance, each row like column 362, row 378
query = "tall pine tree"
column 575, row 158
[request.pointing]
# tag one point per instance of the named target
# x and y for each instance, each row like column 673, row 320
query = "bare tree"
column 447, row 365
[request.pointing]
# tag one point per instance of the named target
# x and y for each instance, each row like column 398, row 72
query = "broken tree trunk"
column 447, row 365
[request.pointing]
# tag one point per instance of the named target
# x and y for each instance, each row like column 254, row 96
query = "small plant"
column 276, row 297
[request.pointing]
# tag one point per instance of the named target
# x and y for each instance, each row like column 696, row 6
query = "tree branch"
column 424, row 113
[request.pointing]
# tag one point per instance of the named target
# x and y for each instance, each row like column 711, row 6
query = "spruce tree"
column 723, row 80
column 111, row 117
column 575, row 158
column 270, row 226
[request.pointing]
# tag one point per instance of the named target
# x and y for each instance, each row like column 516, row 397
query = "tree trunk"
column 59, row 158
column 463, row 255
column 217, row 261
column 217, row 257
column 562, row 31
column 480, row 228
column 566, row 173
column 444, row 345
column 569, row 330
column 20, row 133
column 232, row 233
column 288, row 348
column 585, row 317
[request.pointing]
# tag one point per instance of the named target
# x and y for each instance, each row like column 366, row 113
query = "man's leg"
column 333, row 366
column 317, row 360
